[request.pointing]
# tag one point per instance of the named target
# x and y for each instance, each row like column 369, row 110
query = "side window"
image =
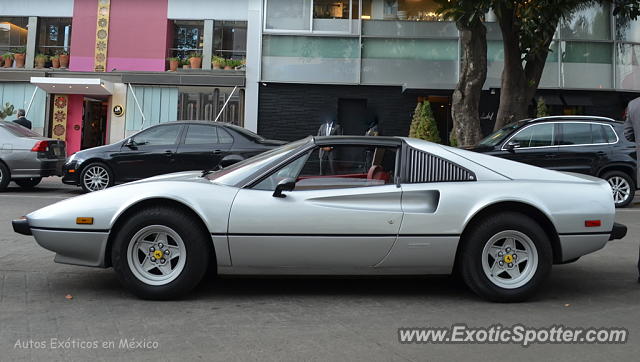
column 538, row 135
column 158, row 136
column 224, row 136
column 337, row 166
column 598, row 134
column 576, row 134
column 201, row 134
column 610, row 134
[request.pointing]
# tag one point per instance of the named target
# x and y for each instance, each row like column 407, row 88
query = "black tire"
column 471, row 258
column 196, row 241
column 28, row 183
column 91, row 168
column 5, row 176
column 613, row 177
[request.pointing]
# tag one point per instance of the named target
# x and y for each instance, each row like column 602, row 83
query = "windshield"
column 499, row 135
column 232, row 175
column 18, row 130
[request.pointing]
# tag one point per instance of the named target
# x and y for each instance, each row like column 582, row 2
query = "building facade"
column 297, row 62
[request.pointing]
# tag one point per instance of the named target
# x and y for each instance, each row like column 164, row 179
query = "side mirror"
column 130, row 143
column 512, row 145
column 287, row 184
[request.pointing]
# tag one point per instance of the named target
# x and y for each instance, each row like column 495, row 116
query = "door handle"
column 216, row 152
column 168, row 153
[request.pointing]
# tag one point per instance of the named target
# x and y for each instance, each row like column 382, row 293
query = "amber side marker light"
column 71, row 171
column 592, row 223
column 84, row 220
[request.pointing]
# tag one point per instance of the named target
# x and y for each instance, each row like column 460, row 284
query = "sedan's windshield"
column 499, row 135
column 237, row 172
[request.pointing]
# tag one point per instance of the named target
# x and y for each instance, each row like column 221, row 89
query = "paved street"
column 296, row 318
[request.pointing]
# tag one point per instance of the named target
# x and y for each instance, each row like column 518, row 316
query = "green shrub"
column 423, row 125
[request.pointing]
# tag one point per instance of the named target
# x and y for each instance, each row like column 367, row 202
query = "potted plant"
column 217, row 62
column 19, row 55
column 64, row 59
column 173, row 63
column 186, row 64
column 55, row 61
column 228, row 64
column 8, row 59
column 41, row 59
column 195, row 61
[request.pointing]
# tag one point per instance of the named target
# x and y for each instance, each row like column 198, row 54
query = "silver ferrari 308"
column 337, row 206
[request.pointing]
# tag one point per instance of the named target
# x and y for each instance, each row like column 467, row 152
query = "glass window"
column 628, row 63
column 224, row 137
column 13, row 34
column 610, row 134
column 230, row 39
column 590, row 23
column 205, row 103
column 337, row 166
column 158, row 136
column 628, row 30
column 188, row 38
column 54, row 36
column 332, row 15
column 288, row 14
column 539, row 135
column 598, row 134
column 576, row 134
column 414, row 10
column 201, row 134
column 587, row 65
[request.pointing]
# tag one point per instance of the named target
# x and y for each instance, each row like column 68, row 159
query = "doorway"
column 441, row 109
column 352, row 116
column 94, row 122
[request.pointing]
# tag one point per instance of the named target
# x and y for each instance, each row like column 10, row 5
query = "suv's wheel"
column 622, row 187
column 28, row 183
column 506, row 257
column 160, row 253
column 95, row 177
column 5, row 176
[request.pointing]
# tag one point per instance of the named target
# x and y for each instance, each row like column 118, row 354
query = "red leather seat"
column 376, row 172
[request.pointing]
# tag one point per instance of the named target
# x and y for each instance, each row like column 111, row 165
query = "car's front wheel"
column 95, row 177
column 28, row 183
column 505, row 257
column 622, row 187
column 160, row 253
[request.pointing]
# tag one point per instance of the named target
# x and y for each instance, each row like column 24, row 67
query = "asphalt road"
column 294, row 318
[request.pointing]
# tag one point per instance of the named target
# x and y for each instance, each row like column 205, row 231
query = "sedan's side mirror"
column 512, row 145
column 130, row 143
column 287, row 184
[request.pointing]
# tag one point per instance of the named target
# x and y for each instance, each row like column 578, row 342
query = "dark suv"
column 584, row 144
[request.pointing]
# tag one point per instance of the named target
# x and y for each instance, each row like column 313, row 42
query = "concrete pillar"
column 117, row 124
column 207, row 47
column 31, row 42
column 254, row 61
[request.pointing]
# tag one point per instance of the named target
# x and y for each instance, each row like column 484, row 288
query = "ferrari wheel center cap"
column 508, row 258
column 158, row 254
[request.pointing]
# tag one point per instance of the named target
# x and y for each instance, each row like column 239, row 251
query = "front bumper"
column 70, row 174
column 77, row 247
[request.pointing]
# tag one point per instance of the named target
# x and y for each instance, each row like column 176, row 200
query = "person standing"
column 22, row 119
column 327, row 155
column 631, row 129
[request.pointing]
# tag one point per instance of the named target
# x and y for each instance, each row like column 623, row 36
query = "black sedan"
column 589, row 145
column 164, row 148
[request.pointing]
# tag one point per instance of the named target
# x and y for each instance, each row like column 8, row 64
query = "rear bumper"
column 619, row 231
column 38, row 167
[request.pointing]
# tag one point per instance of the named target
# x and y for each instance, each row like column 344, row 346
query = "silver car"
column 337, row 206
column 26, row 157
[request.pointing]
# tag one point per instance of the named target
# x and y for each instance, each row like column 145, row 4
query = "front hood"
column 187, row 176
column 95, row 150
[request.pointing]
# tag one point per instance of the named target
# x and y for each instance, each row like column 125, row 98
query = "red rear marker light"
column 41, row 146
column 592, row 223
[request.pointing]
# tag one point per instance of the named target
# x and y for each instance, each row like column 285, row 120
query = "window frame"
column 561, row 129
column 310, row 30
column 553, row 143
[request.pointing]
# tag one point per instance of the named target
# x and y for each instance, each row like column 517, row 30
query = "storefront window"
column 54, row 36
column 587, row 65
column 592, row 23
column 288, row 14
column 188, row 38
column 628, row 30
column 230, row 39
column 13, row 34
column 204, row 103
column 628, row 59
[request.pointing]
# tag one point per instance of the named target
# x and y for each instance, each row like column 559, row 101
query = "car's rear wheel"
column 160, row 253
column 95, row 177
column 28, row 183
column 5, row 176
column 505, row 257
column 622, row 187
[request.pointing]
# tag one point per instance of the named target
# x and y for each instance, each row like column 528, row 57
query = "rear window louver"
column 425, row 167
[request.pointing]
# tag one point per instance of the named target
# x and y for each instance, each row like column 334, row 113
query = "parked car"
column 164, row 148
column 26, row 157
column 589, row 145
column 376, row 206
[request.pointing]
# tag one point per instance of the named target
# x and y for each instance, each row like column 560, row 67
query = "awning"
column 86, row 86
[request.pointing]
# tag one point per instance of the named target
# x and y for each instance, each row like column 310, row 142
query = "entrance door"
column 94, row 123
column 352, row 116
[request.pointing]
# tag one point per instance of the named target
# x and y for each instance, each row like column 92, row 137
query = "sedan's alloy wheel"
column 96, row 178
column 620, row 188
column 509, row 259
column 156, row 255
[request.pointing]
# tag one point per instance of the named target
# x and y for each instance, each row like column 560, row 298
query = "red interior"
column 375, row 173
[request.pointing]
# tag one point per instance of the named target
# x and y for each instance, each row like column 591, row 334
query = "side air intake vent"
column 425, row 167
